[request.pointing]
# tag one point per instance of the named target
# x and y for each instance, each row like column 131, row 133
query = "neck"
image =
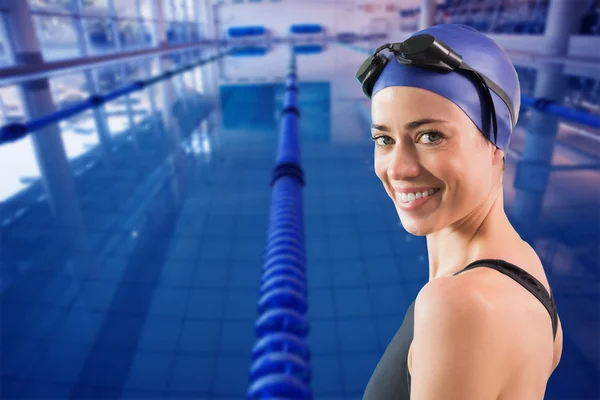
column 474, row 237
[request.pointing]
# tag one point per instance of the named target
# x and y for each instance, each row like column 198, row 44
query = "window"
column 146, row 9
column 94, row 5
column 99, row 35
column 168, row 10
column 6, row 54
column 126, row 8
column 130, row 33
column 62, row 5
column 79, row 133
column 57, row 36
column 18, row 165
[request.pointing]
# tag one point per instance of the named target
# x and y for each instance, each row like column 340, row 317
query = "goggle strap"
column 496, row 89
column 494, row 120
column 491, row 102
column 383, row 47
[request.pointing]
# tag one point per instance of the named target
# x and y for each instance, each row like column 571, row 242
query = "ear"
column 498, row 159
column 498, row 156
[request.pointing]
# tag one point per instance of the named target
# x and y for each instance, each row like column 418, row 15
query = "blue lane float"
column 246, row 31
column 251, row 51
column 347, row 37
column 306, row 29
column 18, row 130
column 280, row 358
column 552, row 107
column 308, row 49
column 543, row 105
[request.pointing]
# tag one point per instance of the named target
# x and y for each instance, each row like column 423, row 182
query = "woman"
column 472, row 333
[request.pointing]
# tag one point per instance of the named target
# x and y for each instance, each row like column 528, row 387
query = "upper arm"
column 458, row 350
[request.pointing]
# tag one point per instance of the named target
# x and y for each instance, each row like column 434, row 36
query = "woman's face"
column 414, row 151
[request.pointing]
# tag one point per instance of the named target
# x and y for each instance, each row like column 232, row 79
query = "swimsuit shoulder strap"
column 526, row 280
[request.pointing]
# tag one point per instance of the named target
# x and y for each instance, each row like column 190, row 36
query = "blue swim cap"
column 461, row 87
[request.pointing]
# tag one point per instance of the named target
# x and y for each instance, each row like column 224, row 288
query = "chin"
column 416, row 227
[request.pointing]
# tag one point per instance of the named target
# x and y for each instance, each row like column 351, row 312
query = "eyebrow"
column 411, row 125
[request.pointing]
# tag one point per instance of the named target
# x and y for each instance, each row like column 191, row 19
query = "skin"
column 464, row 222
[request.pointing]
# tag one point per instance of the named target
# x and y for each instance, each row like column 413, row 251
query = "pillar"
column 167, row 87
column 534, row 168
column 562, row 21
column 100, row 117
column 427, row 15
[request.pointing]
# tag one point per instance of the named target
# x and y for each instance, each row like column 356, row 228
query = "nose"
column 403, row 163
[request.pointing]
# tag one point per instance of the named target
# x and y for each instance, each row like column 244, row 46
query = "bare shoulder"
column 464, row 298
column 458, row 343
column 523, row 320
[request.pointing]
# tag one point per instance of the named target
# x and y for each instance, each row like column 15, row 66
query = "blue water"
column 147, row 285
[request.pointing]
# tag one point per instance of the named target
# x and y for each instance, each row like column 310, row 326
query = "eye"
column 435, row 135
column 381, row 140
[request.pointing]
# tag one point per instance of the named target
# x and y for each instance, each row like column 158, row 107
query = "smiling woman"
column 444, row 104
column 416, row 150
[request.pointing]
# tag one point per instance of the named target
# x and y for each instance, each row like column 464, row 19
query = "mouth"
column 413, row 201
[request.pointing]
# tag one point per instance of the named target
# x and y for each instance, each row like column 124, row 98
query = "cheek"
column 466, row 180
column 380, row 169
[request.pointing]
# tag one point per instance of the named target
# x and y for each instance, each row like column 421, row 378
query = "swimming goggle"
column 426, row 51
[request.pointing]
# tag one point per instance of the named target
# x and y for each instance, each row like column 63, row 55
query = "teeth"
column 410, row 197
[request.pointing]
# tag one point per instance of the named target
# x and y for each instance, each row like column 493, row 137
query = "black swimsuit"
column 391, row 378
